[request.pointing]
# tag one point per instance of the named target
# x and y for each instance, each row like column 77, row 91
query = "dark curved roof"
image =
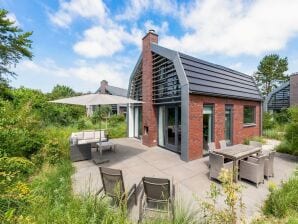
column 206, row 78
column 211, row 79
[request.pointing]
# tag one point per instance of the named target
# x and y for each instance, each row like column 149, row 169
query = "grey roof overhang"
column 133, row 73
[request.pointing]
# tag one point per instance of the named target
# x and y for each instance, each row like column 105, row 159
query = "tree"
column 61, row 91
column 271, row 72
column 14, row 45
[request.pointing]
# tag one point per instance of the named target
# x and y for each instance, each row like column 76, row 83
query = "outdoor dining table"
column 238, row 152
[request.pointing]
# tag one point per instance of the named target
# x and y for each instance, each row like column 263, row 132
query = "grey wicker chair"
column 211, row 147
column 159, row 197
column 80, row 152
column 217, row 163
column 252, row 169
column 269, row 164
column 113, row 186
column 223, row 144
column 255, row 143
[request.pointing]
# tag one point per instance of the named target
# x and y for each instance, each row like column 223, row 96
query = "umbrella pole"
column 99, row 160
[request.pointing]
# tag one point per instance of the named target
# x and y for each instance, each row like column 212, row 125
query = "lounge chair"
column 252, row 169
column 268, row 166
column 223, row 144
column 159, row 197
column 113, row 186
column 217, row 163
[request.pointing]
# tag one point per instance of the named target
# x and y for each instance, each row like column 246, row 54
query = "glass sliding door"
column 229, row 124
column 161, row 125
column 172, row 130
column 137, row 122
column 207, row 126
column 171, row 126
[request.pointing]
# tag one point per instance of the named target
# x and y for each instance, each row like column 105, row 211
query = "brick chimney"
column 294, row 89
column 103, row 86
column 149, row 111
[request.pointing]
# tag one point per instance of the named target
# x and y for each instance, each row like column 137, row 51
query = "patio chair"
column 217, row 163
column 255, row 143
column 159, row 197
column 268, row 166
column 252, row 169
column 211, row 147
column 223, row 144
column 113, row 186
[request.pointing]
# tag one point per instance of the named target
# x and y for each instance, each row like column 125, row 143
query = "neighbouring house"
column 105, row 88
column 188, row 102
column 284, row 96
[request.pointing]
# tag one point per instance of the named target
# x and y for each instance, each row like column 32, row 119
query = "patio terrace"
column 191, row 179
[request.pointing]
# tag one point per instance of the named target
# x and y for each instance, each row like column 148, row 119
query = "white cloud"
column 84, row 8
column 135, row 8
column 12, row 17
column 106, row 41
column 236, row 27
column 236, row 66
column 91, row 74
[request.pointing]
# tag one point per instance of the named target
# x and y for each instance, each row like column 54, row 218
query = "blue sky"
column 80, row 42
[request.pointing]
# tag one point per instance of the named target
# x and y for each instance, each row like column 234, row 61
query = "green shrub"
column 115, row 119
column 254, row 138
column 268, row 121
column 85, row 123
column 20, row 130
column 117, row 131
column 56, row 148
column 16, row 164
column 282, row 117
column 283, row 201
column 273, row 134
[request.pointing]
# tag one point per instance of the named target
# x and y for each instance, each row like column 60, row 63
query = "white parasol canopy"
column 96, row 99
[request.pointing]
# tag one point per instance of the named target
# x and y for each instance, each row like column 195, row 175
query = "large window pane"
column 161, row 121
column 249, row 115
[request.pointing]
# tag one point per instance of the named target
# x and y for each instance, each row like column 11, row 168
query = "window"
column 249, row 115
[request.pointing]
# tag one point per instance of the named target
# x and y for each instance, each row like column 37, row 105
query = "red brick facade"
column 149, row 112
column 294, row 90
column 196, row 103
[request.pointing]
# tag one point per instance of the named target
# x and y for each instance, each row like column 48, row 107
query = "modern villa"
column 284, row 96
column 188, row 102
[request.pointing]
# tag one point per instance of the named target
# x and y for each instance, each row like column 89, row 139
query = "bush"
column 85, row 123
column 268, row 121
column 282, row 117
column 290, row 143
column 20, row 133
column 115, row 119
column 283, row 201
column 275, row 133
column 16, row 164
column 254, row 138
column 56, row 148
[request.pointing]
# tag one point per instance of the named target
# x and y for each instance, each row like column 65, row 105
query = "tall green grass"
column 283, row 201
column 52, row 200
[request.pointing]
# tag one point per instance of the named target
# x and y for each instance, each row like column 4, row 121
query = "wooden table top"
column 239, row 151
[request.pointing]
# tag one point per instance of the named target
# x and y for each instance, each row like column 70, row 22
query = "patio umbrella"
column 94, row 100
